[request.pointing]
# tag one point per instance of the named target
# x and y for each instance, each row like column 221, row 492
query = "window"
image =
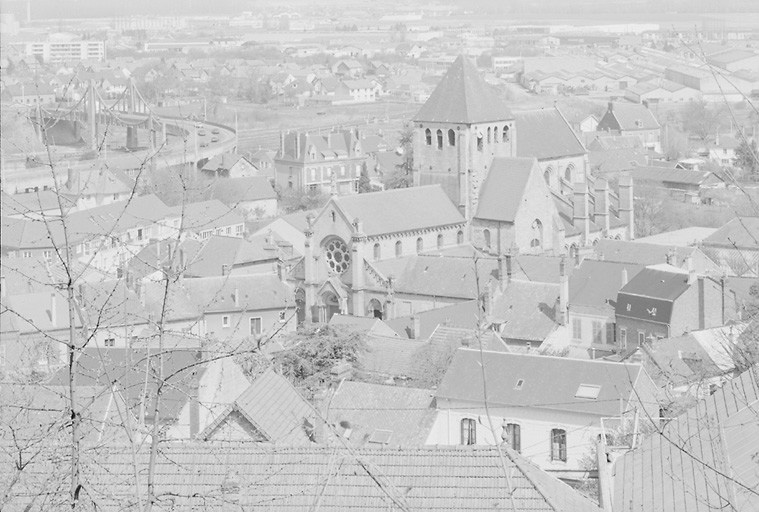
column 47, row 254
column 609, row 333
column 377, row 252
column 225, row 321
column 451, row 138
column 459, row 237
column 576, row 329
column 641, row 337
column 139, row 234
column 623, row 337
column 109, row 342
column 419, row 245
column 537, row 234
column 505, row 134
column 495, row 135
column 255, row 326
column 486, row 234
column 229, row 230
column 559, row 444
column 479, row 141
column 440, row 139
column 568, row 173
column 598, row 332
column 337, row 255
column 588, row 391
column 428, row 136
column 490, row 133
column 239, row 229
column 547, row 176
column 514, row 432
column 440, row 241
column 468, row 431
column 398, row 249
column 518, row 386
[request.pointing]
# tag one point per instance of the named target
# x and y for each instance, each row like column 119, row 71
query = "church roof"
column 503, row 189
column 545, row 134
column 462, row 96
column 403, row 209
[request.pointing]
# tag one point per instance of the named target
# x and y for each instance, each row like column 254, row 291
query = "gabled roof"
column 232, row 191
column 739, row 233
column 631, row 116
column 596, row 283
column 273, row 406
column 211, row 476
column 462, row 96
column 206, row 215
column 547, row 382
column 399, row 210
column 526, row 310
column 701, row 460
column 545, row 134
column 502, row 193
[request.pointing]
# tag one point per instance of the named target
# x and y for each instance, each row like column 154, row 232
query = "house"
column 630, row 119
column 735, row 59
column 195, row 474
column 229, row 165
column 722, row 150
column 205, row 218
column 269, row 410
column 645, row 253
column 252, row 195
column 320, row 163
column 699, row 460
column 551, row 407
column 663, row 301
column 290, row 228
column 684, row 184
column 593, row 289
column 33, row 205
column 660, row 91
column 348, row 68
column 355, row 91
column 734, row 247
column 29, row 94
column 88, row 189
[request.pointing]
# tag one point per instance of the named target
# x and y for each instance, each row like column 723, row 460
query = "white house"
column 554, row 409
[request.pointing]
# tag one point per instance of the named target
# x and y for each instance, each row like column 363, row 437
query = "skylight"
column 519, row 385
column 380, row 436
column 588, row 391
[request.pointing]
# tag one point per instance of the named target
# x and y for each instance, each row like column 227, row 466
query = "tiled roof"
column 596, row 283
column 215, row 252
column 501, row 194
column 273, row 406
column 657, row 284
column 673, row 176
column 206, row 215
column 231, row 191
column 526, row 310
column 545, row 134
column 101, row 181
column 631, row 116
column 547, row 382
column 399, row 210
column 462, row 96
column 642, row 253
column 406, row 413
column 216, row 477
column 703, row 460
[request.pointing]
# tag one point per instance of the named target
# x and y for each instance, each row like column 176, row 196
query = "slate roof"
column 501, row 194
column 32, row 202
column 399, row 210
column 406, row 413
column 740, row 232
column 462, row 96
column 545, row 134
column 672, row 176
column 526, row 310
column 206, row 215
column 210, row 257
column 650, row 295
column 548, row 382
column 209, row 476
column 631, row 116
column 273, row 406
column 642, row 253
column 96, row 182
column 703, row 460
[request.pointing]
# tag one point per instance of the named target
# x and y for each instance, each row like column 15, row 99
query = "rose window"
column 338, row 257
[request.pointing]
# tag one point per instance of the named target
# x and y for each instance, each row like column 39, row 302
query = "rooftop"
column 545, row 134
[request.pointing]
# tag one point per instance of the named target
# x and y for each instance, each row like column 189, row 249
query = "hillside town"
column 380, row 256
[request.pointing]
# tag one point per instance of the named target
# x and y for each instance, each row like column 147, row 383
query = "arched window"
column 468, row 431
column 505, row 134
column 573, row 252
column 568, row 173
column 547, row 176
column 428, row 136
column 537, row 234
column 489, row 135
column 398, row 249
column 479, row 141
column 558, row 444
column 495, row 135
column 459, row 238
column 486, row 234
column 419, row 245
column 377, row 252
column 440, row 241
column 334, row 216
column 451, row 138
column 440, row 139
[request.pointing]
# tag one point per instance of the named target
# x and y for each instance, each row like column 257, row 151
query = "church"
column 479, row 189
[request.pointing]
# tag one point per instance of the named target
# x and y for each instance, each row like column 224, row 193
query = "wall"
column 633, row 326
column 239, row 323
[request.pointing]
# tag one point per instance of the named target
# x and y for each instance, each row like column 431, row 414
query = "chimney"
column 611, row 107
column 563, row 291
column 236, row 297
column 627, row 204
column 3, row 291
column 416, row 327
column 282, row 143
column 580, row 214
column 602, row 205
column 224, row 269
column 194, row 405
column 297, row 145
column 624, row 277
column 691, row 269
column 671, row 258
column 53, row 310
